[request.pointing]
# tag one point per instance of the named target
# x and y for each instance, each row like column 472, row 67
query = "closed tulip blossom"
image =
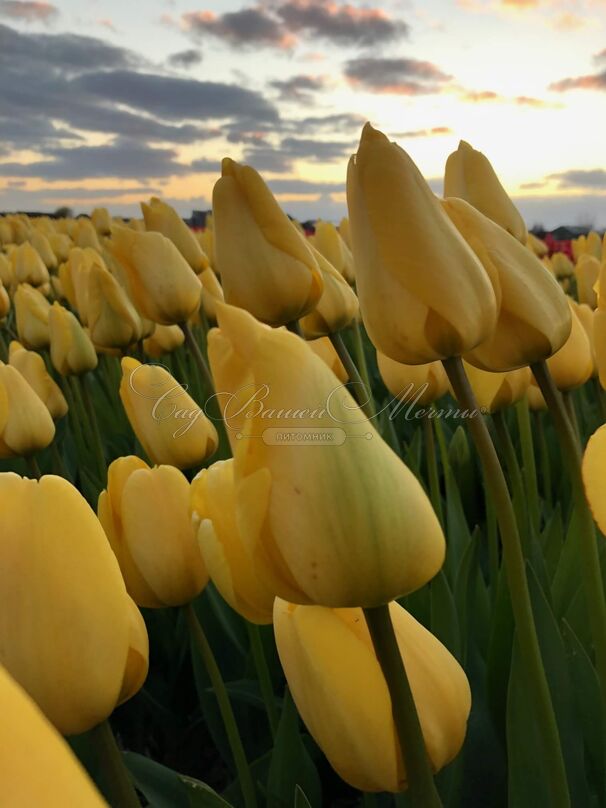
column 264, row 264
column 213, row 504
column 164, row 219
column 159, row 281
column 337, row 306
column 534, row 318
column 26, row 426
column 470, row 176
column 65, row 629
column 324, row 348
column 338, row 686
column 329, row 241
column 31, row 316
column 409, row 257
column 169, row 424
column 101, row 221
column 415, row 384
column 340, row 524
column 163, row 340
column 587, row 272
column 573, row 364
column 28, row 267
column 495, row 391
column 31, row 366
column 5, row 302
column 42, row 246
column 145, row 514
column 211, row 292
column 112, row 319
column 71, row 350
column 37, row 767
column 599, row 327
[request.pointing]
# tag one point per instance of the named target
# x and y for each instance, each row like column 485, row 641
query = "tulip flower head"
column 26, row 425
column 31, row 366
column 161, row 218
column 71, row 350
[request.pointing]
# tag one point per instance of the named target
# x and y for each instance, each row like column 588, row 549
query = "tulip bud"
column 71, row 350
column 7, row 276
column 42, row 246
column 101, row 221
column 331, row 245
column 60, row 244
column 31, row 315
column 537, row 245
column 594, row 245
column 585, row 315
column 578, row 247
column 265, row 265
column 340, row 692
column 534, row 318
column 324, row 348
column 410, row 258
column 206, row 240
column 161, row 218
column 470, row 176
column 28, row 267
column 572, row 365
column 169, row 424
column 165, row 339
column 6, row 231
column 64, row 630
column 337, row 306
column 159, row 281
column 137, row 661
column 112, row 319
column 344, row 231
column 594, row 461
column 211, row 292
column 339, row 524
column 5, row 302
column 37, row 765
column 599, row 327
column 561, row 265
column 145, row 514
column 31, row 366
column 85, row 235
column 414, row 384
column 26, row 426
column 495, row 391
column 213, row 503
column 587, row 271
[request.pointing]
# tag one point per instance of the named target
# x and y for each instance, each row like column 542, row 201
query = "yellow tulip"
column 572, row 365
column 495, row 391
column 536, row 402
column 579, row 247
column 169, row 424
column 161, row 218
column 31, row 315
column 340, row 524
column 60, row 244
column 26, row 425
column 594, row 474
column 329, row 242
column 85, row 235
column 470, row 176
column 534, row 318
column 37, row 767
column 337, row 306
column 213, row 504
column 340, row 692
column 112, row 318
column 206, row 240
column 594, row 245
column 159, row 281
column 5, row 302
column 31, row 366
column 587, row 271
column 415, row 384
column 344, row 231
column 101, row 221
column 586, row 315
column 137, row 661
column 6, row 231
column 537, row 245
column 71, row 349
column 7, row 276
column 165, row 338
column 42, row 246
column 265, row 265
column 27, row 265
column 410, row 258
column 324, row 348
column 561, row 265
column 211, row 292
column 64, row 630
column 145, row 514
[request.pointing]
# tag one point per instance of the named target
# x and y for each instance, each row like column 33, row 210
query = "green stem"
column 529, row 463
column 360, row 354
column 513, row 559
column 515, row 475
column 122, row 793
column 601, row 398
column 592, row 575
column 267, row 691
column 544, row 455
column 199, row 359
column 203, row 648
column 3, row 348
column 432, row 468
column 571, row 413
column 34, row 467
column 421, row 786
column 361, row 392
column 93, row 423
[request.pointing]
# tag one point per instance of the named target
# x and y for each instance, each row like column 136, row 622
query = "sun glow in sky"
column 108, row 102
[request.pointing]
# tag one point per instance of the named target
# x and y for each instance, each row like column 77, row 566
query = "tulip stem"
column 515, row 475
column 419, row 776
column 267, row 691
column 361, row 363
column 360, row 391
column 515, row 569
column 199, row 359
column 34, row 467
column 592, row 575
column 121, row 791
column 295, row 328
column 203, row 648
column 529, row 462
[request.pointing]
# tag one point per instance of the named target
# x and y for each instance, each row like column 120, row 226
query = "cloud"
column 268, row 159
column 396, row 76
column 185, row 58
column 569, row 22
column 206, row 166
column 435, row 130
column 580, row 178
column 28, row 11
column 597, row 81
column 282, row 24
column 297, row 187
column 106, row 22
column 520, row 3
column 600, row 57
column 489, row 96
column 299, row 88
column 123, row 158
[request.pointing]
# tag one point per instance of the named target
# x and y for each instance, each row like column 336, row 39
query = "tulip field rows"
column 298, row 519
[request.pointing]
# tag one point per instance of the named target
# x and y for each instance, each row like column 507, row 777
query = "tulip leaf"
column 291, row 765
column 567, row 578
column 165, row 788
column 444, row 618
column 301, row 800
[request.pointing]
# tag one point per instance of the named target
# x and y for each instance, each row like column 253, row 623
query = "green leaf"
column 165, row 788
column 301, row 800
column 291, row 765
column 444, row 619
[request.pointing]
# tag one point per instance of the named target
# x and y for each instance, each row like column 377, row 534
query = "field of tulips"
column 297, row 520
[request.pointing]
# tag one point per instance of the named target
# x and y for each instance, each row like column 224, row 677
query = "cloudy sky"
column 110, row 101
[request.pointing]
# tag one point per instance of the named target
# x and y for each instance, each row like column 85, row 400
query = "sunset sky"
column 106, row 102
